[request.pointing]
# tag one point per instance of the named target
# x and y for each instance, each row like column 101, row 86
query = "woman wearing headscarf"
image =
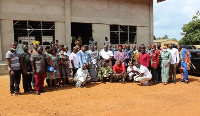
column 165, row 61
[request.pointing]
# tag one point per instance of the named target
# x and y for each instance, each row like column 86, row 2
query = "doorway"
column 84, row 30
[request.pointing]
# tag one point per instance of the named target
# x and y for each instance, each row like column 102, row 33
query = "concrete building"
column 164, row 42
column 122, row 21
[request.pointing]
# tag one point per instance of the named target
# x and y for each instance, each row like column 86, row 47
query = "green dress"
column 165, row 57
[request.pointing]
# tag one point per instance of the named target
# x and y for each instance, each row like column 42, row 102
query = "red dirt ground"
column 106, row 99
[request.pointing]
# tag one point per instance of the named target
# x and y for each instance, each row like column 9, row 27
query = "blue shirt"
column 83, row 58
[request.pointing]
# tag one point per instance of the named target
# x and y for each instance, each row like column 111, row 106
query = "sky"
column 171, row 15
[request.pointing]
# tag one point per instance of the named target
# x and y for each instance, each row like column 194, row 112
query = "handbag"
column 50, row 68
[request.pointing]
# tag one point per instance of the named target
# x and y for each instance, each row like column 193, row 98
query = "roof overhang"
column 160, row 1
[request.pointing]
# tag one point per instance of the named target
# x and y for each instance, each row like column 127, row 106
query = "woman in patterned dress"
column 53, row 60
column 121, row 56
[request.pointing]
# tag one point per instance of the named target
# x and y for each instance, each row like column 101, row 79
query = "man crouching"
column 105, row 72
column 82, row 76
column 119, row 71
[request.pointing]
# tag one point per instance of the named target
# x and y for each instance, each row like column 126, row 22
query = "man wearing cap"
column 119, row 71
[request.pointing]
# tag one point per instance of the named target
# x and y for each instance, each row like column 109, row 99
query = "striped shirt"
column 14, row 60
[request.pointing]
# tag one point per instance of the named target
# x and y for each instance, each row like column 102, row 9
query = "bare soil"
column 105, row 99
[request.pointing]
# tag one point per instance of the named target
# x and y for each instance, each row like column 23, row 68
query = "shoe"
column 110, row 81
column 182, row 80
column 101, row 81
column 186, row 82
column 27, row 92
column 123, row 82
column 42, row 91
column 37, row 93
column 174, row 82
column 17, row 92
column 13, row 94
column 147, row 84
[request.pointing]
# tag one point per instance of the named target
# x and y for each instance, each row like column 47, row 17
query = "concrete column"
column 100, row 31
column 151, row 32
column 143, row 35
column 0, row 43
column 60, row 32
column 7, row 36
column 68, row 23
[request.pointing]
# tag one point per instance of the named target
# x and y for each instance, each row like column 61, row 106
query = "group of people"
column 81, row 66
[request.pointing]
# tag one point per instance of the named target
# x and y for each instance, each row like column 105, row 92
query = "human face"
column 170, row 45
column 149, row 47
column 142, row 51
column 25, row 48
column 133, row 47
column 130, row 64
column 120, row 49
column 35, row 46
column 104, row 64
column 40, row 50
column 92, row 48
column 179, row 48
column 83, row 48
column 105, row 48
column 84, row 67
column 118, row 63
column 128, row 47
column 13, row 46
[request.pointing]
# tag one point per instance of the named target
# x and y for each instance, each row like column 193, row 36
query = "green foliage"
column 166, row 37
column 191, row 31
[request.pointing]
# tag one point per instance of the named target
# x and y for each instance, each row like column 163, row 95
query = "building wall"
column 99, row 12
column 7, row 35
column 100, row 31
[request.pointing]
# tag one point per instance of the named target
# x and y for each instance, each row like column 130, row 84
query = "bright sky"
column 171, row 15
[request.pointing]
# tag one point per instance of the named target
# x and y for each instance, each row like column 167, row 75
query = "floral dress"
column 121, row 56
column 56, row 73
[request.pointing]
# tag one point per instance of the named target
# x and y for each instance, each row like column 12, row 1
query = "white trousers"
column 143, row 80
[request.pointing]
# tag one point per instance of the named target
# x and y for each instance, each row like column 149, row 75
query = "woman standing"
column 165, row 61
column 121, row 56
column 53, row 60
column 64, row 67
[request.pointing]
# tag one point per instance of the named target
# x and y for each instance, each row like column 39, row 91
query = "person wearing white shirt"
column 82, row 76
column 174, row 62
column 132, row 71
column 74, row 60
column 144, row 75
column 107, row 56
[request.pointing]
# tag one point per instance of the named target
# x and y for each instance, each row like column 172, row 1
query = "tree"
column 191, row 31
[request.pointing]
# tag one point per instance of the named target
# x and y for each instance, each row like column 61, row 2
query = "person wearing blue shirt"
column 83, row 57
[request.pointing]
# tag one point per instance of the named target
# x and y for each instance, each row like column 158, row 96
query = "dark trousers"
column 159, row 73
column 15, row 81
column 74, row 71
column 155, row 75
column 27, row 79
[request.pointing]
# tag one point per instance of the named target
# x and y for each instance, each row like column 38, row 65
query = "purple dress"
column 121, row 56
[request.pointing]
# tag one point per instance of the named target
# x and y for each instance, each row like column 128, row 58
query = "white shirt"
column 145, row 70
column 106, row 55
column 134, row 68
column 175, row 55
column 74, row 57
column 67, row 53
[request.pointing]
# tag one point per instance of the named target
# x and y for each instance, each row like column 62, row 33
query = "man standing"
column 130, row 53
column 155, row 60
column 144, row 75
column 74, row 60
column 84, row 57
column 119, row 71
column 107, row 56
column 106, row 41
column 144, row 58
column 184, row 63
column 14, row 69
column 38, row 66
column 26, row 69
column 173, row 63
